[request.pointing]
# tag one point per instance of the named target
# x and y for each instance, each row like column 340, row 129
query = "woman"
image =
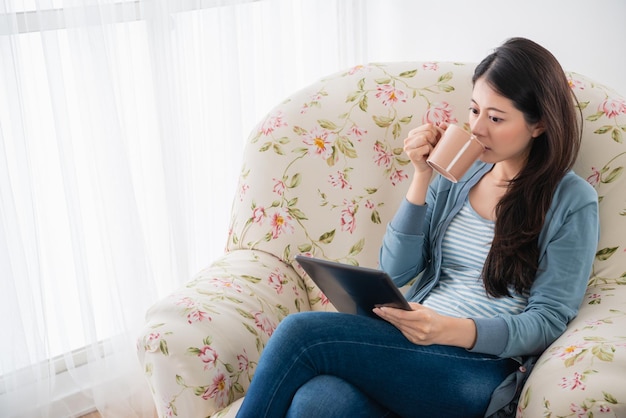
column 501, row 258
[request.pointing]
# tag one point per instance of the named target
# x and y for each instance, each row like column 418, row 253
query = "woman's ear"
column 537, row 130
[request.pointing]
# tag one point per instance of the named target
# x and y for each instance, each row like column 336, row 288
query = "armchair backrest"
column 324, row 172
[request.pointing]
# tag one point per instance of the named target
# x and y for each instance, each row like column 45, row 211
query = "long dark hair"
column 532, row 78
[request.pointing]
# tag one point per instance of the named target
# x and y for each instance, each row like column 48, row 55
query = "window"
column 121, row 128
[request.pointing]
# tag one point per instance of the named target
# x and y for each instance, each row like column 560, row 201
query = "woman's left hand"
column 424, row 326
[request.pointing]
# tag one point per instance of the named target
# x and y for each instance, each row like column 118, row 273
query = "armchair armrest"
column 201, row 344
column 582, row 373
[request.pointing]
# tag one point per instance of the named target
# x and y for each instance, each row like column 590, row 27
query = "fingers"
column 416, row 325
column 397, row 316
column 427, row 134
column 420, row 142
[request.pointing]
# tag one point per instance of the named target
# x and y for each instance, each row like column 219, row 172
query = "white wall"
column 587, row 36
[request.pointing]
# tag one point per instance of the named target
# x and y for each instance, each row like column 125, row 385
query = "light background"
column 588, row 37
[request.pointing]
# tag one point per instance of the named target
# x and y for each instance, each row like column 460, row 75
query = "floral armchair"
column 322, row 175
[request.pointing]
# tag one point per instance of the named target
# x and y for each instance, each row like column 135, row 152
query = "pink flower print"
column 570, row 352
column 242, row 191
column 613, row 107
column 299, row 267
column 595, row 177
column 218, row 390
column 276, row 280
column 168, row 408
column 263, row 323
column 594, row 298
column 579, row 410
column 306, row 254
column 348, row 221
column 186, row 302
column 197, row 315
column 575, row 84
column 397, row 176
column 576, row 382
column 357, row 133
column 208, row 356
column 318, row 142
column 272, row 122
column 357, row 69
column 595, row 323
column 439, row 113
column 339, row 180
column 153, row 342
column 369, row 204
column 279, row 187
column 390, row 95
column 244, row 363
column 258, row 215
column 225, row 284
column 382, row 157
column 315, row 98
column 430, row 66
column 281, row 222
column 606, row 409
column 323, row 299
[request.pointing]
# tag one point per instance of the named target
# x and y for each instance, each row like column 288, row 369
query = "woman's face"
column 501, row 128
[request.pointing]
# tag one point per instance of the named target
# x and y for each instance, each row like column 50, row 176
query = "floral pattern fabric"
column 323, row 173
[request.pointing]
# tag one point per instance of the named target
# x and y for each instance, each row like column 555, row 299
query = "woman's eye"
column 495, row 119
column 473, row 110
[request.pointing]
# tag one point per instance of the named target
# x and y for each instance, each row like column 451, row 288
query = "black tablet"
column 352, row 289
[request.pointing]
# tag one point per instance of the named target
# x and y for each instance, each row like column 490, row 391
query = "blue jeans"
column 338, row 365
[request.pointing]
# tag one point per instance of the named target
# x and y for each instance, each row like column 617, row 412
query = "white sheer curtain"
column 121, row 127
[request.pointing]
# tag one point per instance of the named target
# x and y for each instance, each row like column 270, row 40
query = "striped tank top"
column 460, row 291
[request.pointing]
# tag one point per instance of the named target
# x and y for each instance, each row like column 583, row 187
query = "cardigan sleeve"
column 403, row 243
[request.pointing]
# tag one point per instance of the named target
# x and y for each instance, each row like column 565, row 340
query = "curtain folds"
column 121, row 127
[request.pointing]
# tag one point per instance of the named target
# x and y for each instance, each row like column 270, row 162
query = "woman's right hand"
column 419, row 144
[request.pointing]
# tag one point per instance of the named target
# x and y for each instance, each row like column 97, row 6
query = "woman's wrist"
column 419, row 187
column 459, row 332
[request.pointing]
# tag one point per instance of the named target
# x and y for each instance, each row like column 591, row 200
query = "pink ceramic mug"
column 455, row 153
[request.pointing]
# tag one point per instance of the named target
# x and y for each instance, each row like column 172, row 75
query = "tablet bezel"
column 353, row 289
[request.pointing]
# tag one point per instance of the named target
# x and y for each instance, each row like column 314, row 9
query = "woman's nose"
column 478, row 126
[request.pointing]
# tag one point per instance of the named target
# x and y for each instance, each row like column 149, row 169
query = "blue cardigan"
column 567, row 245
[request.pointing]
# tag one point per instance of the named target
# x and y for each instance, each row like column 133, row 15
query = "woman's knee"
column 303, row 327
column 294, row 328
column 330, row 396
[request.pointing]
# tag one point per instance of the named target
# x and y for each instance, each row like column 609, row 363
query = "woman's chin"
column 488, row 157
